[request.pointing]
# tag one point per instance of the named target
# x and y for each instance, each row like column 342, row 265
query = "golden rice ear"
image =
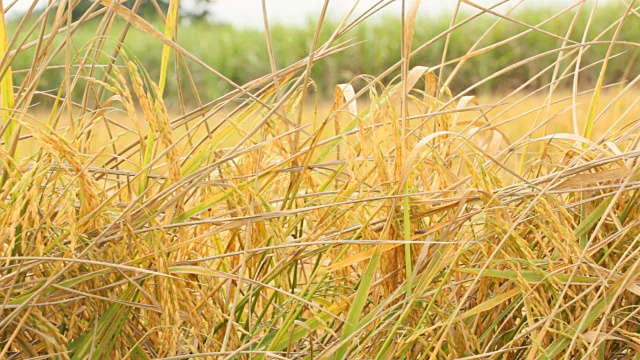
column 409, row 26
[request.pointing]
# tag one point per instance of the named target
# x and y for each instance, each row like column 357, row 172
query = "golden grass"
column 401, row 221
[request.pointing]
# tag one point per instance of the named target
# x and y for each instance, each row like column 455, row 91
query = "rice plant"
column 404, row 221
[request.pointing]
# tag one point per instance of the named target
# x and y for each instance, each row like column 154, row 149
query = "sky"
column 248, row 13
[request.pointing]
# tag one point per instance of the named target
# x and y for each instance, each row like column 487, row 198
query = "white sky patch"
column 248, row 13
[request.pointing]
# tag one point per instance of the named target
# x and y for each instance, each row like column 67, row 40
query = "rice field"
column 399, row 219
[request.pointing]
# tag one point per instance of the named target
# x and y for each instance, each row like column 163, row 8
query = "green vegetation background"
column 241, row 54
